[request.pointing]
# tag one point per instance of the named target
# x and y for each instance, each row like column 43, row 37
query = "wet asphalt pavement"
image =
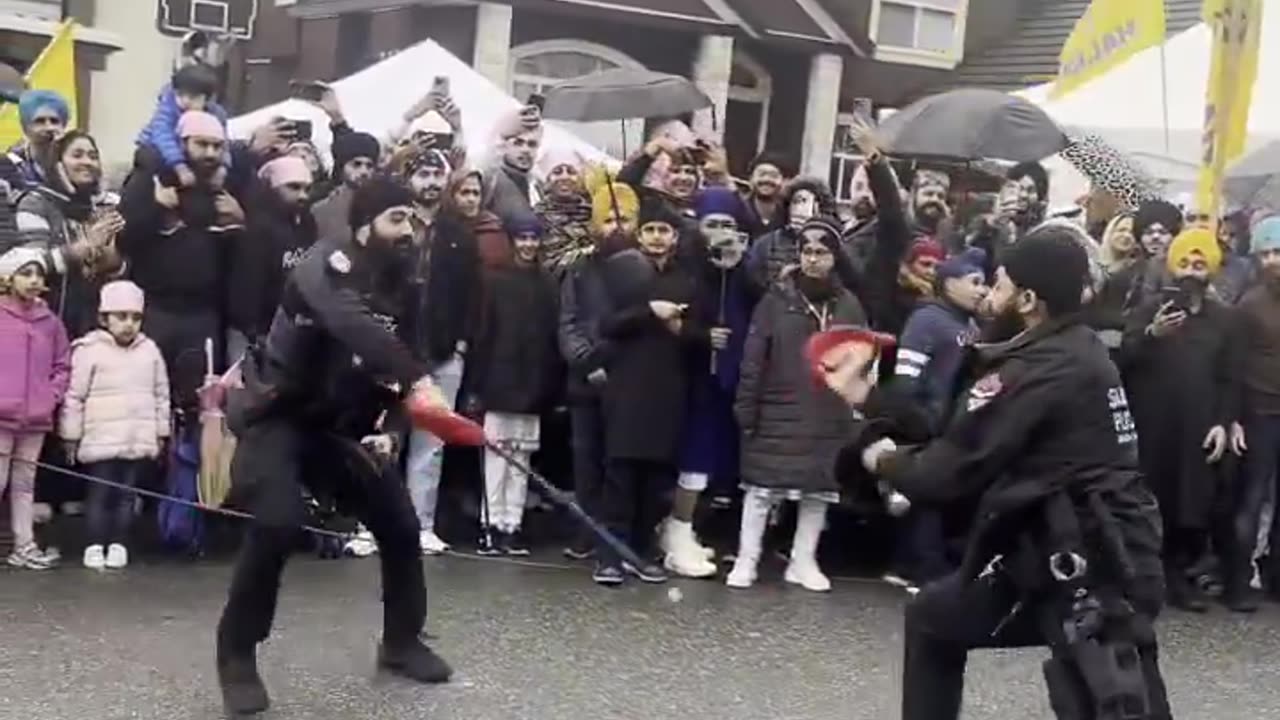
column 538, row 641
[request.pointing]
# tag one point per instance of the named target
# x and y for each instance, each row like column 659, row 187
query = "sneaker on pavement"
column 608, row 574
column 808, row 576
column 489, row 543
column 648, row 572
column 414, row 661
column 29, row 557
column 431, row 543
column 580, row 550
column 515, row 545
column 94, row 558
column 117, row 556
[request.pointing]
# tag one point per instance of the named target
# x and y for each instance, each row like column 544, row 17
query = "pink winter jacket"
column 117, row 407
column 33, row 365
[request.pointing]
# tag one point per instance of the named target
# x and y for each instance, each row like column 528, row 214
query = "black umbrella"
column 1254, row 181
column 972, row 124
column 622, row 94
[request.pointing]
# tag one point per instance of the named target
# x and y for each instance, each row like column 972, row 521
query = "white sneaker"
column 117, row 556
column 29, row 557
column 808, row 576
column 94, row 559
column 684, row 555
column 743, row 574
column 431, row 543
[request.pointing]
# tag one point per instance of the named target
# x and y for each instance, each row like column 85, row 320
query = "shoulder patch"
column 339, row 262
column 984, row 391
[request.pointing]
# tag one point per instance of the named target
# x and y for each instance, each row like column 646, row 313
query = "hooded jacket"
column 35, row 364
column 271, row 246
column 117, row 405
column 792, row 428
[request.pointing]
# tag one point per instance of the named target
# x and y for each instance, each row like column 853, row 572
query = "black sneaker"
column 414, row 661
column 580, row 550
column 487, row 544
column 514, row 544
column 608, row 574
column 242, row 690
column 649, row 572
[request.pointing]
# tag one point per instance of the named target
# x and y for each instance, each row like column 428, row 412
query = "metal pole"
column 1164, row 99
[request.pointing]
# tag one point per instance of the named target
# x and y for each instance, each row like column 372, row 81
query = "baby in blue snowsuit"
column 193, row 88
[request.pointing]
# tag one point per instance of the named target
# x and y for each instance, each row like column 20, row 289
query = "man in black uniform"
column 329, row 369
column 1064, row 547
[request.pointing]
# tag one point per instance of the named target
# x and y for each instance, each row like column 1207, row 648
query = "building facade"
column 782, row 74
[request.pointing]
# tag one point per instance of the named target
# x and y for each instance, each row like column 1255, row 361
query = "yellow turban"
column 1196, row 240
column 602, row 203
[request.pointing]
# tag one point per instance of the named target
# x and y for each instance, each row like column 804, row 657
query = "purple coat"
column 35, row 366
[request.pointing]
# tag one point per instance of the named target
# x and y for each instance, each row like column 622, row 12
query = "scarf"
column 568, row 235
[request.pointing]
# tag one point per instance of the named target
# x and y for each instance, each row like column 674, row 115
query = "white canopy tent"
column 1125, row 106
column 376, row 98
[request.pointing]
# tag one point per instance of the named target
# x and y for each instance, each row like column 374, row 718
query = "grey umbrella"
column 1254, row 181
column 971, row 124
column 622, row 94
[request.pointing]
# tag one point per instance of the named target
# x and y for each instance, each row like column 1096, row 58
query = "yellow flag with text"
column 1108, row 33
column 1233, row 68
column 54, row 69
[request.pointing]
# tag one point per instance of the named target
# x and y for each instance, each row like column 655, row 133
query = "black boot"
column 242, row 690
column 1183, row 594
column 414, row 661
column 1237, row 596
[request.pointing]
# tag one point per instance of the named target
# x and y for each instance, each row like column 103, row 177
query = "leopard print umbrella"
column 1110, row 169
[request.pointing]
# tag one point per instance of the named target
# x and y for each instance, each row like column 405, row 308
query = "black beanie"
column 376, row 197
column 1157, row 211
column 828, row 226
column 352, row 145
column 655, row 209
column 1051, row 263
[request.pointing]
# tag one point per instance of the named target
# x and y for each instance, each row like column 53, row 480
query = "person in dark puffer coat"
column 792, row 429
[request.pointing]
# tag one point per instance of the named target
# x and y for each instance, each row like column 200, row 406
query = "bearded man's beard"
column 1006, row 325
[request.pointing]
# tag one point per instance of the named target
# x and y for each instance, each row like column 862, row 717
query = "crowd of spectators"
column 684, row 385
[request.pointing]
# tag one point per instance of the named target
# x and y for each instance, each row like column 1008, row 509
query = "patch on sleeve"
column 339, row 262
column 984, row 391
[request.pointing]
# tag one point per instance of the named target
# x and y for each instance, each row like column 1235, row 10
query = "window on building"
column 925, row 27
column 537, row 66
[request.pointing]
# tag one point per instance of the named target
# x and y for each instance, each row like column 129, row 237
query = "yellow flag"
column 55, row 70
column 1233, row 68
column 1108, row 34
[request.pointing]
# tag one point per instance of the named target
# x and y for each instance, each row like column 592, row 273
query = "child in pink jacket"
column 115, row 420
column 34, row 366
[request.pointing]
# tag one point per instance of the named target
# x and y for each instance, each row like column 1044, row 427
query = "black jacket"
column 584, row 300
column 273, row 244
column 1181, row 386
column 515, row 364
column 180, row 266
column 1046, row 414
column 886, row 301
column 445, row 303
column 644, row 397
column 334, row 337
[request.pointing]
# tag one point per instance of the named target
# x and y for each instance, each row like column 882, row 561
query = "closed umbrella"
column 973, row 124
column 623, row 94
column 217, row 445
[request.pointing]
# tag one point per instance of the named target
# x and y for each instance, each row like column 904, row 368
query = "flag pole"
column 1164, row 99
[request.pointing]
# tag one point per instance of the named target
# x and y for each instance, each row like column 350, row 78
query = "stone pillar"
column 492, row 57
column 820, row 111
column 711, row 70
